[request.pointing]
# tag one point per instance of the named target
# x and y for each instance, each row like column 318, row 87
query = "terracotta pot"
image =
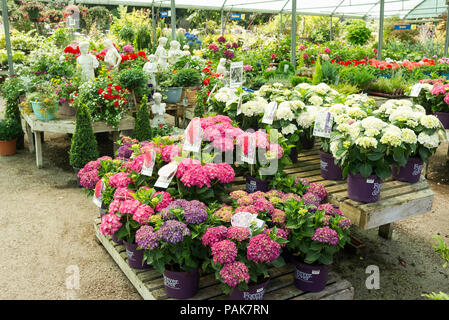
column 66, row 110
column 7, row 147
column 190, row 93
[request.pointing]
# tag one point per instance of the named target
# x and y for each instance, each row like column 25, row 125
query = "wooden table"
column 150, row 283
column 398, row 200
column 65, row 124
column 180, row 111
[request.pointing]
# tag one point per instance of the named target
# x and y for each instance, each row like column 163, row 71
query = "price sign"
column 323, row 125
column 148, row 163
column 416, row 89
column 270, row 109
column 166, row 175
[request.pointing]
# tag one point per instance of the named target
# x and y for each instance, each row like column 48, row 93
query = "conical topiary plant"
column 84, row 146
column 142, row 130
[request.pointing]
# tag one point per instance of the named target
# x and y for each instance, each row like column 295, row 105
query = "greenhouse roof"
column 408, row 9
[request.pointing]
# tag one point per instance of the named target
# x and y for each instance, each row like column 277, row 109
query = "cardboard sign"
column 148, row 163
column 270, row 109
column 236, row 74
column 193, row 136
column 249, row 149
column 323, row 125
column 166, row 175
column 98, row 195
column 416, row 89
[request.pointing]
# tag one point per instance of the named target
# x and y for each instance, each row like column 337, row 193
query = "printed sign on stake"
column 323, row 125
column 270, row 109
column 416, row 89
column 236, row 74
column 192, row 136
column 166, row 175
column 239, row 105
column 98, row 195
column 148, row 163
column 249, row 149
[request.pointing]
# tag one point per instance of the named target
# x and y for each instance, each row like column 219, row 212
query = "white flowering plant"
column 320, row 95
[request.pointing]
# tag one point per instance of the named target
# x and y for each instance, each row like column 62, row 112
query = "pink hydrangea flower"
column 247, row 67
column 262, row 249
column 143, row 213
column 166, row 200
column 224, row 252
column 114, row 206
column 278, row 216
column 89, row 179
column 238, row 233
column 195, row 176
column 123, row 194
column 238, row 194
column 318, row 189
column 326, row 235
column 137, row 162
column 129, row 206
column 226, row 173
column 170, row 152
column 214, row 234
column 264, row 205
column 109, row 225
column 281, row 233
column 250, row 209
column 119, row 180
column 245, row 201
column 235, row 273
column 186, row 164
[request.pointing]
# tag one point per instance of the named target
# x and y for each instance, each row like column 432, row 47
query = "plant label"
column 148, row 163
column 315, row 271
column 369, row 180
column 239, row 105
column 416, row 89
column 247, row 220
column 193, row 136
column 236, row 74
column 166, row 175
column 249, row 149
column 98, row 195
column 270, row 109
column 212, row 91
column 323, row 125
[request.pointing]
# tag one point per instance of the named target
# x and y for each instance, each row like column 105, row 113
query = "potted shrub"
column 173, row 245
column 10, row 130
column 84, row 145
column 135, row 80
column 316, row 234
column 166, row 81
column 142, row 130
column 44, row 102
column 12, row 90
column 439, row 103
column 241, row 257
column 189, row 79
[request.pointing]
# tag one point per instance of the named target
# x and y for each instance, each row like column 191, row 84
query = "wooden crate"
column 150, row 283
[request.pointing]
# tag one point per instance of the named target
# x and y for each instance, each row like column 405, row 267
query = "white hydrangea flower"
column 430, row 122
column 337, row 109
column 333, row 147
column 373, row 123
column 297, row 104
column 356, row 113
column 366, row 142
column 316, row 100
column 306, row 119
column 427, row 86
column 354, row 130
column 304, row 86
column 323, row 87
column 427, row 141
column 344, row 127
column 409, row 136
column 371, row 132
column 284, row 112
column 392, row 136
column 290, row 129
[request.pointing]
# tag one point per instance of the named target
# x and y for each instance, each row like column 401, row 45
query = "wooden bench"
column 65, row 124
column 398, row 200
column 150, row 283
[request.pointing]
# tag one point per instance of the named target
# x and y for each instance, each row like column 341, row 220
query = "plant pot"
column 190, row 93
column 173, row 94
column 329, row 170
column 7, row 147
column 20, row 142
column 411, row 172
column 78, row 180
column 364, row 189
column 293, row 154
column 135, row 256
column 309, row 277
column 444, row 118
column 102, row 210
column 307, row 142
column 116, row 240
column 256, row 184
column 66, row 110
column 40, row 115
column 254, row 292
column 181, row 285
column 287, row 255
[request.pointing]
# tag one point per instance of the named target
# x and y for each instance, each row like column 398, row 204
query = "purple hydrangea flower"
column 146, row 238
column 125, row 151
column 326, row 235
column 344, row 224
column 173, row 231
column 311, row 198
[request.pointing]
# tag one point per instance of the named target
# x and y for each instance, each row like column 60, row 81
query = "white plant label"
column 239, row 105
column 249, row 149
column 246, row 220
column 323, row 125
column 193, row 136
column 270, row 109
column 416, row 89
column 98, row 195
column 148, row 163
column 236, row 74
column 166, row 175
column 369, row 180
column 212, row 91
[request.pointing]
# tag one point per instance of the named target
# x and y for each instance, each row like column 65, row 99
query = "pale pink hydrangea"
column 238, row 194
column 235, row 273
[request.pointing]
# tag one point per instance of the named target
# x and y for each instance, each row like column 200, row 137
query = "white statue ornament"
column 221, row 68
column 150, row 68
column 158, row 109
column 161, row 54
column 174, row 54
column 112, row 57
column 87, row 62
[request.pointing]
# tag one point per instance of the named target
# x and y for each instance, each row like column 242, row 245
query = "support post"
column 293, row 44
column 222, row 22
column 153, row 22
column 173, row 20
column 7, row 37
column 280, row 25
column 381, row 30
column 331, row 33
column 446, row 41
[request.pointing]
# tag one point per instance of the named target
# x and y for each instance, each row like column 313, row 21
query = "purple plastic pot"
column 135, row 256
column 294, row 154
column 364, row 189
column 309, row 277
column 255, row 184
column 307, row 142
column 254, row 292
column 116, row 240
column 444, row 118
column 329, row 170
column 411, row 172
column 181, row 285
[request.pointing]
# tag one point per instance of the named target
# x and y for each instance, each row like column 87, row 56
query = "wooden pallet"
column 398, row 200
column 150, row 283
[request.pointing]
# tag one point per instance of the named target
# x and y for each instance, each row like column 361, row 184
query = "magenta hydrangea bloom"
column 235, row 273
column 146, row 238
column 166, row 200
column 238, row 194
column 128, row 48
column 264, row 205
column 129, row 206
column 89, row 179
column 238, row 233
column 119, row 180
column 143, row 213
column 137, row 163
column 173, row 231
column 344, row 223
column 221, row 39
column 262, row 249
column 114, row 206
column 109, row 225
column 224, row 252
column 185, row 165
column 327, row 208
column 123, row 194
column 311, row 198
column 326, row 235
column 318, row 189
column 250, row 209
column 214, row 234
column 170, row 152
column 225, row 173
column 195, row 176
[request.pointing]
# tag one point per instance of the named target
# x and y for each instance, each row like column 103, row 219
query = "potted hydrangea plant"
column 10, row 130
column 315, row 235
column 172, row 244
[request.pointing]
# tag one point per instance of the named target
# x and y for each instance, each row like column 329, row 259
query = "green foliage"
column 142, row 130
column 143, row 37
column 127, row 34
column 10, row 129
column 318, row 74
column 187, row 77
column 437, row 296
column 162, row 130
column 61, row 37
column 284, row 183
column 295, row 80
column 133, row 79
column 84, row 145
column 330, row 72
column 345, row 88
column 357, row 32
column 443, row 249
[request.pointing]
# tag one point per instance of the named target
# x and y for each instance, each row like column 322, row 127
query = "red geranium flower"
column 116, row 103
column 100, row 91
column 117, row 87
